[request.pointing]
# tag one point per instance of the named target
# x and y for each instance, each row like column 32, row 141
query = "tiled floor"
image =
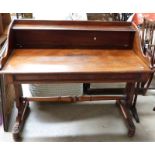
column 95, row 121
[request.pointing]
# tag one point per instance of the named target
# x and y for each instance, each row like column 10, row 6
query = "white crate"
column 56, row 89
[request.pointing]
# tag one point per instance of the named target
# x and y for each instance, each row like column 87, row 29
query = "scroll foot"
column 16, row 132
column 20, row 121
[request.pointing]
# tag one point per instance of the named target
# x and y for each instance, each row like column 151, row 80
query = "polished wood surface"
column 86, row 34
column 82, row 39
column 72, row 99
column 72, row 25
column 73, row 61
column 57, row 26
column 74, row 51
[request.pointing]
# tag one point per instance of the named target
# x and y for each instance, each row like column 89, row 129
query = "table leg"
column 86, row 86
column 7, row 100
column 133, row 107
column 3, row 102
column 125, row 106
column 127, row 117
column 22, row 106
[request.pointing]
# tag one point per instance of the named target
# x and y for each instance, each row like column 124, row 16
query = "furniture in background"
column 146, row 24
column 24, row 15
column 148, row 45
column 5, row 20
column 7, row 91
column 73, row 52
column 109, row 16
column 100, row 16
column 121, row 16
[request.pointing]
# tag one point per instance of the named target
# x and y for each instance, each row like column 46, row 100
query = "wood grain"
column 73, row 61
column 73, row 51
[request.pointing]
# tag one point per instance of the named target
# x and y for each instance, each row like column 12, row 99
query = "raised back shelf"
column 72, row 34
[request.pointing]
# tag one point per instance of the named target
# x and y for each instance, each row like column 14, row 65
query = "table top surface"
column 73, row 61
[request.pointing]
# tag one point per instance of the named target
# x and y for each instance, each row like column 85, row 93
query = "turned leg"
column 22, row 106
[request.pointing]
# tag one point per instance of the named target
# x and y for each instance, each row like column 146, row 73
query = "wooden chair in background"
column 148, row 45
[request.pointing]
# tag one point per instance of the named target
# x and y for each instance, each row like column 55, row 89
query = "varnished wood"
column 7, row 99
column 75, row 98
column 133, row 107
column 74, row 52
column 78, row 77
column 20, row 120
column 74, row 61
column 132, row 98
column 23, row 111
column 26, row 24
column 127, row 117
column 138, row 49
column 130, row 92
column 86, row 34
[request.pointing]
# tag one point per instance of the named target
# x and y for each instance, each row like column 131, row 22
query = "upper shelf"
column 72, row 25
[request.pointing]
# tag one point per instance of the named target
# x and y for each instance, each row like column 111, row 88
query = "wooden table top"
column 73, row 61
